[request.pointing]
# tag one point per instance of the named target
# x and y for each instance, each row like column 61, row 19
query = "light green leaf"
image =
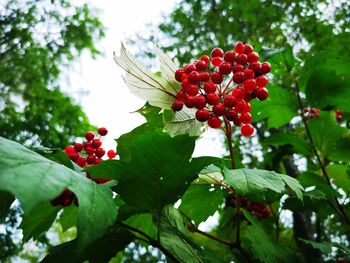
column 340, row 174
column 69, row 217
column 143, row 222
column 326, row 247
column 143, row 83
column 35, row 180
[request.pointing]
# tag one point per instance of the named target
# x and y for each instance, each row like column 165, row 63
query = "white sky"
column 108, row 102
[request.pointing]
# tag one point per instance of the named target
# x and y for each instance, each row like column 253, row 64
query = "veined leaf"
column 157, row 90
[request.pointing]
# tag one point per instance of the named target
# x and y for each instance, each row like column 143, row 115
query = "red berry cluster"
column 338, row 115
column 222, row 85
column 311, row 113
column 259, row 210
column 85, row 155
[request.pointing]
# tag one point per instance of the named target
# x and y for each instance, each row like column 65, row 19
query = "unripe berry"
column 262, row 81
column 177, row 105
column 200, row 102
column 247, row 130
column 217, row 52
column 229, row 101
column 209, row 87
column 100, row 152
column 262, row 93
column 202, row 115
column 219, row 109
column 230, row 56
column 225, row 68
column 212, row 98
column 216, row 61
column 96, row 143
column 102, row 131
column 178, row 74
column 238, row 77
column 111, row 154
column 241, row 59
column 89, row 136
column 246, row 117
column 201, row 65
column 205, row 58
column 194, row 77
column 217, row 78
column 214, row 122
column 265, row 67
column 253, row 57
column 239, row 47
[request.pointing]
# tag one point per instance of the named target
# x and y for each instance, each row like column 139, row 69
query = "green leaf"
column 158, row 172
column 6, row 200
column 279, row 108
column 201, row 201
column 144, row 84
column 69, row 217
column 255, row 182
column 326, row 247
column 183, row 122
column 35, row 180
column 143, row 222
column 152, row 114
column 326, row 80
column 340, row 174
column 286, row 138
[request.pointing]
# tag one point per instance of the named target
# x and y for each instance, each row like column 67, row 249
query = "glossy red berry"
column 111, row 154
column 194, row 77
column 240, row 106
column 200, row 102
column 253, row 57
column 177, row 105
column 265, row 67
column 190, row 102
column 249, row 85
column 217, row 78
column 89, row 151
column 102, row 131
column 212, row 98
column 192, row 89
column 239, row 47
column 201, row 65
column 230, row 114
column 238, row 93
column 96, row 143
column 219, row 109
column 89, row 136
column 238, row 77
column 204, row 76
column 249, row 73
column 241, row 59
column 237, row 68
column 78, row 147
column 202, row 115
column 230, row 56
column 81, row 161
column 214, row 122
column 256, row 67
column 90, row 159
column 247, row 130
column 205, row 58
column 189, row 68
column 69, row 149
column 248, row 49
column 261, row 81
column 216, row 61
column 99, row 152
column 209, row 87
column 178, row 74
column 225, row 68
column 73, row 156
column 262, row 93
column 246, row 117
column 229, row 101
column 217, row 52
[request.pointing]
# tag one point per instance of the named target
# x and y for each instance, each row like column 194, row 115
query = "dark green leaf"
column 6, row 199
column 69, row 217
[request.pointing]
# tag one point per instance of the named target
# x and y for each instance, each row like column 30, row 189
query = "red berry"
column 73, row 156
column 239, row 47
column 249, row 73
column 253, row 57
column 241, row 59
column 177, row 105
column 247, row 106
column 96, row 143
column 202, row 115
column 229, row 101
column 248, row 49
column 265, row 67
column 191, row 100
column 181, row 95
column 78, row 147
column 262, row 81
column 201, row 65
column 189, row 68
column 111, row 154
column 87, row 144
column 178, row 74
column 238, row 77
column 99, row 152
column 237, row 121
column 216, row 61
column 247, row 130
column 256, row 67
column 194, row 77
column 238, row 93
column 306, row 110
column 214, row 122
column 217, row 52
column 217, row 78
column 225, row 68
column 246, row 117
column 102, row 131
column 339, row 117
column 212, row 98
column 230, row 56
column 204, row 76
column 339, row 112
column 89, row 151
column 209, row 87
column 89, row 136
column 240, row 106
column 101, row 180
column 249, row 85
column 81, row 161
column 69, row 149
column 205, row 58
column 90, row 159
column 66, row 202
column 219, row 109
column 237, row 68
column 192, row 89
column 262, row 93
column 200, row 102
column 230, row 114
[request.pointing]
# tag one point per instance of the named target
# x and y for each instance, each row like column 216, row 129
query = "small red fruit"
column 78, row 147
column 99, row 152
column 205, row 58
column 216, row 78
column 219, row 109
column 253, row 57
column 89, row 136
column 265, row 67
column 69, row 149
column 89, row 151
column 248, row 49
column 111, row 154
column 194, row 77
column 238, row 77
column 178, row 74
column 262, row 93
column 230, row 56
column 201, row 65
column 216, row 61
column 102, row 131
column 217, row 52
column 202, row 115
column 239, row 47
column 262, row 81
column 177, row 105
column 212, row 98
column 81, row 161
column 241, row 59
column 246, row 117
column 247, row 130
column 225, row 68
column 214, row 122
column 229, row 101
column 209, row 87
column 200, row 102
column 96, row 143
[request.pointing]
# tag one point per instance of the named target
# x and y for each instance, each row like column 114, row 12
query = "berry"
column 256, row 67
column 204, row 76
column 192, row 90
column 262, row 94
column 219, row 109
column 246, row 117
column 217, row 52
column 238, row 93
column 90, row 159
column 216, row 61
column 214, row 122
column 194, row 77
column 111, row 154
column 191, row 100
column 253, row 57
column 225, row 68
column 247, row 130
column 96, row 143
column 177, row 105
column 239, row 47
column 73, row 156
column 99, row 152
column 217, row 78
column 265, row 67
column 78, row 147
column 249, row 85
column 89, row 136
column 229, row 56
column 237, row 68
column 178, row 74
column 238, row 77
column 89, row 151
column 81, row 161
column 240, row 106
column 248, row 73
column 69, row 149
column 200, row 102
column 229, row 101
column 241, row 59
column 205, row 58
column 237, row 121
column 189, row 68
column 262, row 81
column 209, row 87
column 248, row 49
column 230, row 114
column 181, row 95
column 202, row 115
column 212, row 98
column 201, row 65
